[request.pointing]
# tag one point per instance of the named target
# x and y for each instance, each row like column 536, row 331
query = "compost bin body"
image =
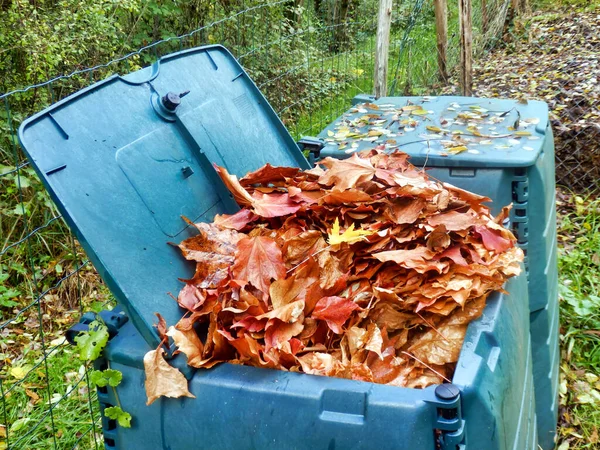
column 122, row 168
column 241, row 407
column 520, row 172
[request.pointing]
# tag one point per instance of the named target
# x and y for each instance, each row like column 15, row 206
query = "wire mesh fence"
column 309, row 57
column 552, row 56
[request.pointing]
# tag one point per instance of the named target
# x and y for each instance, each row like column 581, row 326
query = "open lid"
column 125, row 158
column 444, row 131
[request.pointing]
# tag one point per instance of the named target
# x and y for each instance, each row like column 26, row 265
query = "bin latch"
column 113, row 319
column 449, row 424
column 313, row 145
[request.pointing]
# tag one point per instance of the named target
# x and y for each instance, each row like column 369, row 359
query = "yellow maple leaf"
column 350, row 235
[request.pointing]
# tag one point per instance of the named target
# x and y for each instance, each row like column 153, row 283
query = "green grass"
column 63, row 414
column 579, row 288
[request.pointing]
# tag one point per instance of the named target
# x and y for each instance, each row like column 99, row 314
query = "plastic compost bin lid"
column 123, row 168
column 495, row 132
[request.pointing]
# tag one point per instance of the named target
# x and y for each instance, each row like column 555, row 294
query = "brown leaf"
column 274, row 205
column 162, row 380
column 235, row 221
column 161, row 327
column 493, row 240
column 404, row 210
column 240, row 195
column 454, row 221
column 188, row 342
column 302, row 246
column 213, row 250
column 419, row 258
column 258, row 260
column 346, row 174
column 269, row 174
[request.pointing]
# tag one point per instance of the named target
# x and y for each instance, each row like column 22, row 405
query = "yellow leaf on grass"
column 19, row 372
column 350, row 235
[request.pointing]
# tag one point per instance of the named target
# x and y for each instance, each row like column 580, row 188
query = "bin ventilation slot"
column 56, row 169
column 343, row 407
column 463, row 173
column 212, row 61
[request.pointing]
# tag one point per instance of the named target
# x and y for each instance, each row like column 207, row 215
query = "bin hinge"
column 449, row 425
column 520, row 212
column 113, row 319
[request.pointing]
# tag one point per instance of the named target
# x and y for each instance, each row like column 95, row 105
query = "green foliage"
column 106, row 377
column 123, row 418
column 579, row 292
column 92, row 343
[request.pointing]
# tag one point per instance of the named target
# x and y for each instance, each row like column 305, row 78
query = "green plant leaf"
column 123, row 418
column 91, row 343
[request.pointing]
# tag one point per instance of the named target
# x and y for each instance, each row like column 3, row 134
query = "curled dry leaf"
column 162, row 379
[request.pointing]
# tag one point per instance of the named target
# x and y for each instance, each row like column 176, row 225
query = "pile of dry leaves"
column 362, row 268
column 556, row 61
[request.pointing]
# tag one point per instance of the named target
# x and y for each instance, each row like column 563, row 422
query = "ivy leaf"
column 91, row 343
column 102, row 378
column 115, row 413
column 349, row 236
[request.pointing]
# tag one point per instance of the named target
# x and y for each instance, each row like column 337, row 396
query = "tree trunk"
column 441, row 26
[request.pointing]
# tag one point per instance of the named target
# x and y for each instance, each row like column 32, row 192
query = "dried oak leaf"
column 335, row 311
column 348, row 173
column 258, row 260
column 162, row 379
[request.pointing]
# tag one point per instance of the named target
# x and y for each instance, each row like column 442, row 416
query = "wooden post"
column 516, row 6
column 441, row 26
column 484, row 18
column 466, row 47
column 382, row 47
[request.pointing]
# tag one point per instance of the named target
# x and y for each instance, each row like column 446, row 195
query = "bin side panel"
column 498, row 402
column 240, row 407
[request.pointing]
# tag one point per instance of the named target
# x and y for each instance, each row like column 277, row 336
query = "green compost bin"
column 123, row 160
column 503, row 149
